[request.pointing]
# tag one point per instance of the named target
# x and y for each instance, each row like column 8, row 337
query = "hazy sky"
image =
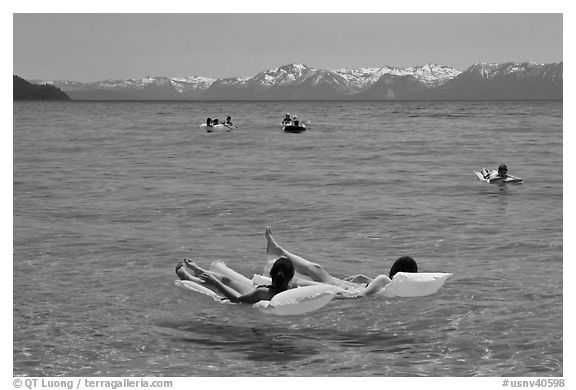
column 91, row 47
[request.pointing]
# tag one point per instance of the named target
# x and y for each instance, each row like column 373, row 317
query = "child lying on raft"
column 499, row 175
column 353, row 286
column 238, row 288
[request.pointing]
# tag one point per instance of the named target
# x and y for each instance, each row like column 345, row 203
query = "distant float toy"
column 485, row 177
column 293, row 125
column 217, row 128
column 294, row 129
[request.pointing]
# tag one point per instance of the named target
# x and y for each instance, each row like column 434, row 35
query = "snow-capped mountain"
column 523, row 70
column 431, row 75
column 142, row 88
column 284, row 75
column 288, row 82
column 301, row 82
column 509, row 80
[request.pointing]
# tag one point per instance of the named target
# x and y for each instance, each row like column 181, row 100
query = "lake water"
column 109, row 196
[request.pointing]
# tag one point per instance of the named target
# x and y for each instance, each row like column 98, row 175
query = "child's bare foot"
column 182, row 273
column 197, row 270
column 272, row 247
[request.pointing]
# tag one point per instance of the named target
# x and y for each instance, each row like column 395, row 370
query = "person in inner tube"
column 287, row 119
column 295, row 121
column 281, row 273
column 500, row 175
column 354, row 284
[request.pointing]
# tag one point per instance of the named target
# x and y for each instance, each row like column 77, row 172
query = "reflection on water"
column 280, row 343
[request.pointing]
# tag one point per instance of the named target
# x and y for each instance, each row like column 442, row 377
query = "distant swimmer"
column 500, row 175
column 211, row 122
column 228, row 123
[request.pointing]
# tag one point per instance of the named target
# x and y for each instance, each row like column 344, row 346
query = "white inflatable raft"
column 216, row 128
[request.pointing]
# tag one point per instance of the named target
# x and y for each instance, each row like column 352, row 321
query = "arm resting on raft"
column 376, row 285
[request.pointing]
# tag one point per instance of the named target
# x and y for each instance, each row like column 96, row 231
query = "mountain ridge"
column 509, row 80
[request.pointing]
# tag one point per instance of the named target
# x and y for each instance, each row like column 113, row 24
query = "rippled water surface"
column 108, row 196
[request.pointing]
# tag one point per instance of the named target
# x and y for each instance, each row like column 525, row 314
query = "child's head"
column 403, row 264
column 282, row 272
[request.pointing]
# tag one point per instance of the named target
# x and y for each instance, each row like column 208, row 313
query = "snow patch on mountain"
column 62, row 84
column 430, row 74
column 180, row 84
column 486, row 70
column 361, row 78
column 523, row 69
column 433, row 75
column 284, row 75
column 232, row 81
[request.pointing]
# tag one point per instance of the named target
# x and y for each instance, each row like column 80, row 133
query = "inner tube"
column 294, row 129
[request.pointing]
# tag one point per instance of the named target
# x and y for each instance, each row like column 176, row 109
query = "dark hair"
column 229, row 117
column 281, row 272
column 502, row 167
column 403, row 264
column 208, row 121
